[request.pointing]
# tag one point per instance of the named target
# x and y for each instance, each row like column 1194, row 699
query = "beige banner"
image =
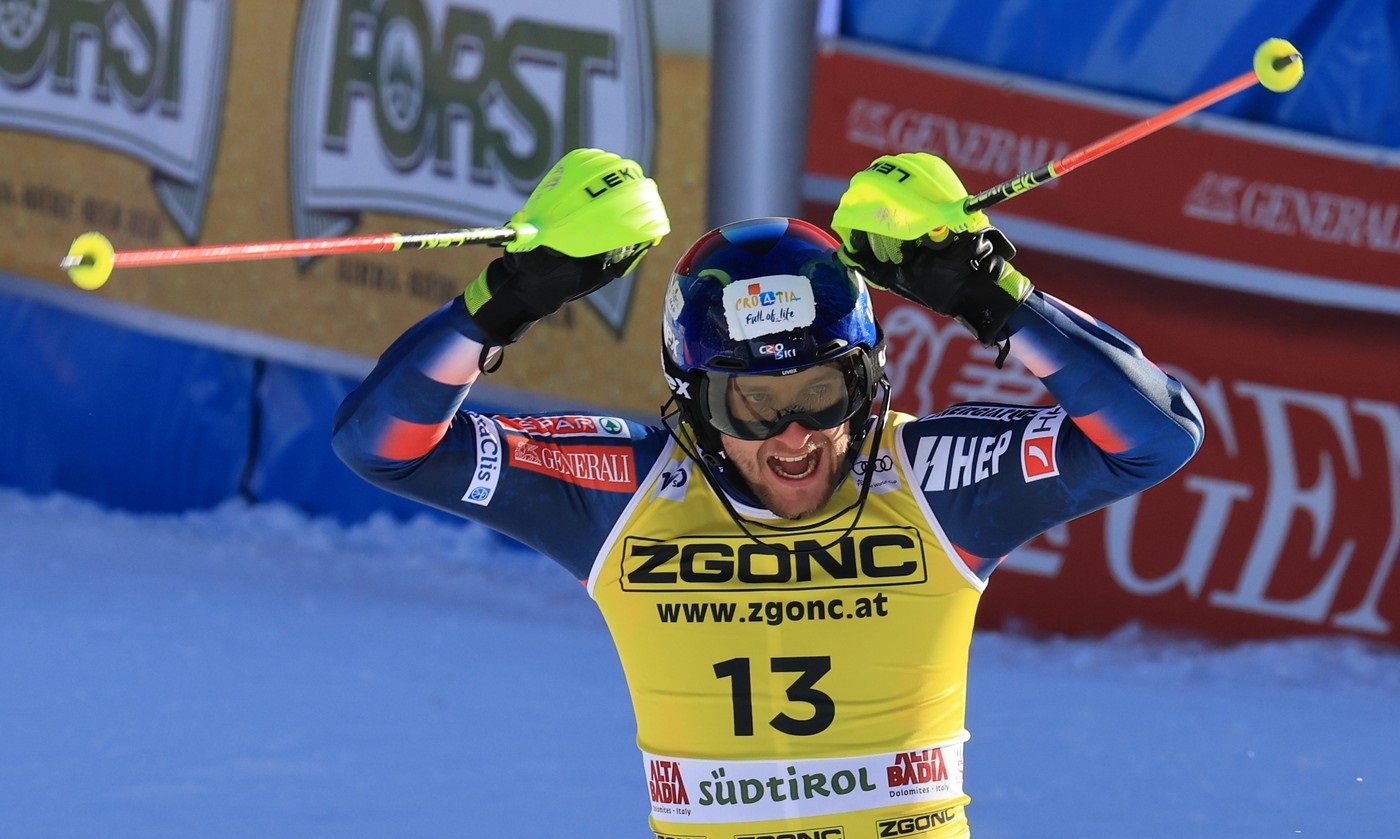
column 52, row 189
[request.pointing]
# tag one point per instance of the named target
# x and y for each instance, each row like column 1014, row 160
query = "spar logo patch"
column 608, row 468
column 1038, row 445
column 566, row 426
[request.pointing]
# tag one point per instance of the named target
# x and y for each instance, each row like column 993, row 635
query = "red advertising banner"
column 1288, row 521
column 1210, row 200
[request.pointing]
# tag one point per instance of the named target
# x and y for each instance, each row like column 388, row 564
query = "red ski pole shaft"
column 91, row 259
column 1026, row 181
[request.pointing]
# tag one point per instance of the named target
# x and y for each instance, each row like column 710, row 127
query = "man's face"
column 795, row 473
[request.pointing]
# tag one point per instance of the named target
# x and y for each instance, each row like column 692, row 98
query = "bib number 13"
column 809, row 669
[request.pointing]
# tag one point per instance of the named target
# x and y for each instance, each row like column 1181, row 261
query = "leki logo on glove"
column 769, row 305
column 885, row 167
column 615, row 178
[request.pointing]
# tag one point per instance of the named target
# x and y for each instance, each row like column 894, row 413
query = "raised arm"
column 1130, row 424
column 588, row 222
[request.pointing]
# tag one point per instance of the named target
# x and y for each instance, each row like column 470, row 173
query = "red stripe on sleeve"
column 404, row 440
column 1097, row 429
column 980, row 565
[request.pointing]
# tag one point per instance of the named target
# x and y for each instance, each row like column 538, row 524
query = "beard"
column 780, row 495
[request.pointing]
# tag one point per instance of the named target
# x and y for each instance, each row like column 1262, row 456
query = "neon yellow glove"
column 589, row 221
column 592, row 202
column 903, row 197
column 902, row 224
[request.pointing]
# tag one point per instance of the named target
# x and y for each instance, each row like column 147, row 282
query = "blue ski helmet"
column 767, row 296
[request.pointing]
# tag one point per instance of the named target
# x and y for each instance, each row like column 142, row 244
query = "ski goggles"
column 757, row 406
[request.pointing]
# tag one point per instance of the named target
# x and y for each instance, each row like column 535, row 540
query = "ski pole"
column 91, row 259
column 1277, row 66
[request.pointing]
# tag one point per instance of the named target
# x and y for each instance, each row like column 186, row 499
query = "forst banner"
column 1258, row 270
column 162, row 123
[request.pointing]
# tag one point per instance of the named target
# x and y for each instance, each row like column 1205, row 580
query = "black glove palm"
column 966, row 276
column 522, row 287
column 585, row 224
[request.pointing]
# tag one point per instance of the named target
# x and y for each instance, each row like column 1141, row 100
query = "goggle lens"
column 760, row 406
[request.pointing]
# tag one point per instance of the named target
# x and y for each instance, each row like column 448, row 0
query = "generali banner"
column 1288, row 521
column 1213, row 201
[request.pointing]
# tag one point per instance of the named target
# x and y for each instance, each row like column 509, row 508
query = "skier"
column 789, row 568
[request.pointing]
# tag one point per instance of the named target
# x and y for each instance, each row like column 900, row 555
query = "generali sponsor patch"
column 609, row 468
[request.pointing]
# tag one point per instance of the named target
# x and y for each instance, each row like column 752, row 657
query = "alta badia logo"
column 453, row 110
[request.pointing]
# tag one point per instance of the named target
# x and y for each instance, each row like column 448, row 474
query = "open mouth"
column 795, row 467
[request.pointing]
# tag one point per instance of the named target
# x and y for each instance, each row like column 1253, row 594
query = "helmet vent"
column 725, row 362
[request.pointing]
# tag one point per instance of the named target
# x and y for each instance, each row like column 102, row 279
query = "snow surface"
column 250, row 672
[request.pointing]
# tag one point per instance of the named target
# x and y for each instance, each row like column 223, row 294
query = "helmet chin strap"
column 716, row 481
